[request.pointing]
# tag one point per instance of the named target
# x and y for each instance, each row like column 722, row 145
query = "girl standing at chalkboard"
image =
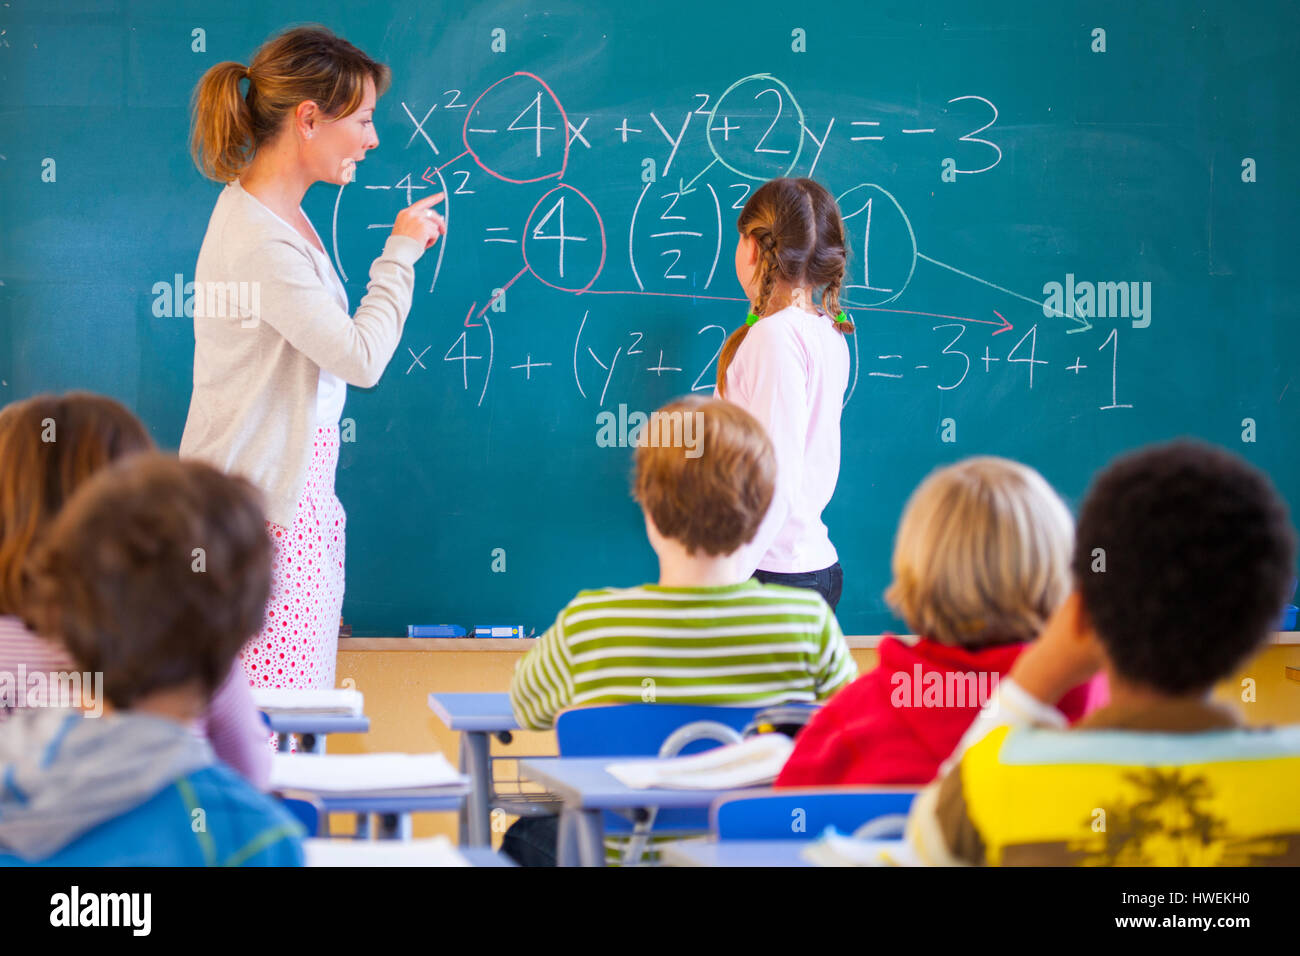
column 274, row 345
column 788, row 366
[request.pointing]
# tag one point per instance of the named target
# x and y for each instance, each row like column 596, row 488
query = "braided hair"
column 800, row 236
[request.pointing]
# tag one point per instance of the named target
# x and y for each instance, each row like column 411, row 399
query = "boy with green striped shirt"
column 747, row 644
column 705, row 633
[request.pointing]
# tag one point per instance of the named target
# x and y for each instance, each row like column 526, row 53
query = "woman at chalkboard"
column 788, row 366
column 274, row 345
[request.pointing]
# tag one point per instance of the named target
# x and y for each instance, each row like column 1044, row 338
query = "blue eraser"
column 434, row 630
column 496, row 630
column 1287, row 622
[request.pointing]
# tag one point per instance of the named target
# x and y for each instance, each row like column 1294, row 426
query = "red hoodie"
column 896, row 724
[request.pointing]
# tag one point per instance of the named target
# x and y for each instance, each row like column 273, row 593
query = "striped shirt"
column 747, row 644
column 231, row 724
column 20, row 646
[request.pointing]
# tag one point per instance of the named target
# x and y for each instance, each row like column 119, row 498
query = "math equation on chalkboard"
column 654, row 219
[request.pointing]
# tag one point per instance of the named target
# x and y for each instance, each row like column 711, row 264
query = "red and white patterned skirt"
column 298, row 644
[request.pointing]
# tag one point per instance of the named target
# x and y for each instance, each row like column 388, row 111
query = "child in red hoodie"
column 980, row 562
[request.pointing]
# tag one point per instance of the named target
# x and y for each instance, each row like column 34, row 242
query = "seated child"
column 980, row 562
column 706, row 633
column 153, row 575
column 1182, row 560
column 49, row 446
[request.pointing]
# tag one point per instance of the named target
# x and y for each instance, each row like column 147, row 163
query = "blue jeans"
column 828, row 582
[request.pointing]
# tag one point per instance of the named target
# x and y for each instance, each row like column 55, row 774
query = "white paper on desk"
column 435, row 852
column 751, row 762
column 838, row 849
column 340, row 701
column 361, row 773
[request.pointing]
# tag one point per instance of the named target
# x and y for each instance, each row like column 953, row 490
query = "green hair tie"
column 842, row 317
column 751, row 319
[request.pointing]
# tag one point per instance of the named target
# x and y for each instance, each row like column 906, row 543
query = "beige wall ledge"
column 856, row 642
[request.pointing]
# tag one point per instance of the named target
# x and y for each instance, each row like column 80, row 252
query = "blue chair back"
column 638, row 730
column 306, row 812
column 804, row 814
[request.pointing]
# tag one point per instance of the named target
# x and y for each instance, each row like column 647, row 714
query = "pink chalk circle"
column 761, row 173
column 564, row 119
column 528, row 232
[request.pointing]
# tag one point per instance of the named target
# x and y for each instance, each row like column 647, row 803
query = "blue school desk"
column 476, row 856
column 313, row 728
column 476, row 717
column 587, row 789
column 482, row 856
column 394, row 809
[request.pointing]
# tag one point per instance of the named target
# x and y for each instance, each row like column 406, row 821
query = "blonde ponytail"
column 221, row 133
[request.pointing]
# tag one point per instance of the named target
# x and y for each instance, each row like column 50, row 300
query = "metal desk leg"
column 477, row 763
column 462, row 815
column 394, row 826
column 583, row 831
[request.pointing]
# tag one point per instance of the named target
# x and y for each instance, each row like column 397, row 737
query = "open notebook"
column 435, row 852
column 354, row 774
column 341, row 701
column 749, row 763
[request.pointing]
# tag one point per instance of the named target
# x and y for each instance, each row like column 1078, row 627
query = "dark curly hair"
column 1199, row 555
column 118, row 579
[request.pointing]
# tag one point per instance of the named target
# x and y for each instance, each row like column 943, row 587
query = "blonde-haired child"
column 981, row 561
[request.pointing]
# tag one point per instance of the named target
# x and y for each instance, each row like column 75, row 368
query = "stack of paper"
column 838, row 849
column 749, row 763
column 435, row 852
column 286, row 700
column 358, row 774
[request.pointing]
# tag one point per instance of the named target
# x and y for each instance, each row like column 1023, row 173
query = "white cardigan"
column 257, row 368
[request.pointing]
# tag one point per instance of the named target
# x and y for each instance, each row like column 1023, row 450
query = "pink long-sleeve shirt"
column 232, row 723
column 791, row 373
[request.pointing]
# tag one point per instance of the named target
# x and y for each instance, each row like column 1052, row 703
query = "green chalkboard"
column 1145, row 157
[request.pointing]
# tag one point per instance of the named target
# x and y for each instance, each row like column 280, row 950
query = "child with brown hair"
column 788, row 366
column 706, row 633
column 49, row 446
column 981, row 561
column 154, row 574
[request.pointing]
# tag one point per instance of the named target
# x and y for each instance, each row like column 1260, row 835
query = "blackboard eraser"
column 434, row 630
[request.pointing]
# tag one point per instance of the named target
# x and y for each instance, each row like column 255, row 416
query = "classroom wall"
column 397, row 675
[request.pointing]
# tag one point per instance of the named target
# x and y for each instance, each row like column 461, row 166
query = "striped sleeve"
column 835, row 666
column 543, row 681
column 236, row 731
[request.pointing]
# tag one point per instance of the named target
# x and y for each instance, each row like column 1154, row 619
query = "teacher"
column 274, row 345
